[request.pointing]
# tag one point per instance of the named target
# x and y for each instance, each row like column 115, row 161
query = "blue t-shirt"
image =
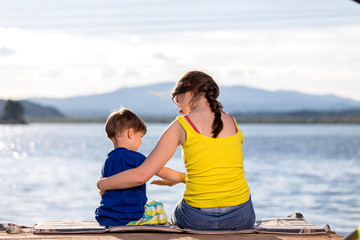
column 119, row 207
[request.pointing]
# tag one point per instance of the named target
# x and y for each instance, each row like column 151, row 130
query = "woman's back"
column 215, row 173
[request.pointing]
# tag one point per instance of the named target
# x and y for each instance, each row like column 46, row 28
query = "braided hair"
column 201, row 84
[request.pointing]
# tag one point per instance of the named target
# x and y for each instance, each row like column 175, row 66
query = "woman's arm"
column 163, row 151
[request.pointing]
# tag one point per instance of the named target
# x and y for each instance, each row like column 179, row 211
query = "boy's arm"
column 169, row 177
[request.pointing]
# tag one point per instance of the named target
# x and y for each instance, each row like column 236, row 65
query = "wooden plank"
column 165, row 236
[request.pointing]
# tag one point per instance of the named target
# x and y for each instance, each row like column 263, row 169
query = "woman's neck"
column 201, row 105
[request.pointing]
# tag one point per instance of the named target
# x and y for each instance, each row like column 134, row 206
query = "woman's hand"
column 101, row 192
column 164, row 182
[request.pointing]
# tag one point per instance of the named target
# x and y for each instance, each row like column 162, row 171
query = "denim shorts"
column 218, row 218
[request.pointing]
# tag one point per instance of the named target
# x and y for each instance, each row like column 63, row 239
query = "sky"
column 64, row 48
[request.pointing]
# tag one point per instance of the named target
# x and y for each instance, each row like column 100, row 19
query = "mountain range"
column 155, row 100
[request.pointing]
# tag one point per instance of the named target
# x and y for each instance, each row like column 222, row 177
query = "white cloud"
column 318, row 60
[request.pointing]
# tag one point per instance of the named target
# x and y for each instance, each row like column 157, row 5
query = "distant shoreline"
column 306, row 117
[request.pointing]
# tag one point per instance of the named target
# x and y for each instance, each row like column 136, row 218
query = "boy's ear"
column 130, row 132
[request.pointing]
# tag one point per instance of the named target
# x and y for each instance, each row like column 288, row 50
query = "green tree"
column 13, row 112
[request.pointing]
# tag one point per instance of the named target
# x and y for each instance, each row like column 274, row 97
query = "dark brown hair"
column 201, row 84
column 119, row 121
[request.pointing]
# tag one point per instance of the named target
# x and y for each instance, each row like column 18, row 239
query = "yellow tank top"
column 215, row 172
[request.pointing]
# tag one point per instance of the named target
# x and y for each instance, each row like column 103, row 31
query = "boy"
column 128, row 206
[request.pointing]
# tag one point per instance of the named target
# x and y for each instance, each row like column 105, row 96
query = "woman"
column 217, row 196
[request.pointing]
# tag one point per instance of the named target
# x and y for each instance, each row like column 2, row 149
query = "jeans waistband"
column 217, row 209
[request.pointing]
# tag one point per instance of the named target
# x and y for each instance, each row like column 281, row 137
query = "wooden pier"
column 167, row 236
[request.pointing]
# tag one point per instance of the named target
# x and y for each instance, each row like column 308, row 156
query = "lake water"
column 49, row 171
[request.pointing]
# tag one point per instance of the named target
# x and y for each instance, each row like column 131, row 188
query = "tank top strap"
column 191, row 123
column 234, row 122
column 196, row 130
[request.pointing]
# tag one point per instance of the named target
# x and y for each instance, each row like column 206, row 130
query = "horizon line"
column 169, row 82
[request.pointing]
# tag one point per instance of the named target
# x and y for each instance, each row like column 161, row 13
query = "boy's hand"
column 164, row 182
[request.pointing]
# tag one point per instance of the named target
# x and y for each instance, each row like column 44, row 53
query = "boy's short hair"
column 120, row 120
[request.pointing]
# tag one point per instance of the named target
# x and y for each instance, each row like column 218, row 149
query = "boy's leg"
column 154, row 214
